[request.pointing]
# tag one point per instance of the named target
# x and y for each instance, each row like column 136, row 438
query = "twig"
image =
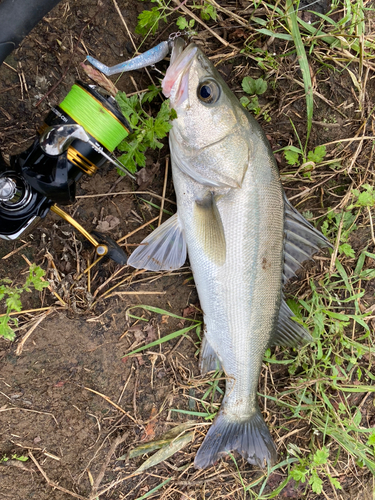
column 135, row 293
column 111, row 402
column 112, row 449
column 126, row 26
column 125, row 192
column 51, row 483
column 19, row 313
column 141, row 271
column 371, row 225
column 27, row 335
column 31, row 411
column 15, row 251
column 136, row 230
column 337, row 243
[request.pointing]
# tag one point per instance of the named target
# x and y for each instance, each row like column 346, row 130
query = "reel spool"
column 76, row 138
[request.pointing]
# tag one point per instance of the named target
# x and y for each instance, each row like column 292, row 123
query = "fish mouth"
column 175, row 83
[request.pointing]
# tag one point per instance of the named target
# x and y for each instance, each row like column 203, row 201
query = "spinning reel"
column 76, row 138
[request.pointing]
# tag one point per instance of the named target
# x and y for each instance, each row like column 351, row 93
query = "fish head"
column 210, row 120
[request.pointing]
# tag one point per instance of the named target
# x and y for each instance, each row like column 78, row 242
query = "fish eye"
column 208, row 92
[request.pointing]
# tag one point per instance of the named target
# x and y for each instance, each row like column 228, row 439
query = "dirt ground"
column 71, row 401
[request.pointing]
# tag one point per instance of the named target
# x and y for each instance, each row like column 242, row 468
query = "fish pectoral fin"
column 250, row 437
column 289, row 333
column 209, row 229
column 208, row 359
column 163, row 250
column 301, row 241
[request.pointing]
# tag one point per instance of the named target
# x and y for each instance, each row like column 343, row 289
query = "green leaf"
column 335, row 483
column 320, row 456
column 371, row 440
column 315, row 482
column 244, row 101
column 148, row 20
column 208, row 12
column 153, row 91
column 298, row 473
column 292, row 157
column 347, row 250
column 5, row 330
column 254, row 87
column 357, row 417
column 134, row 156
column 13, row 302
column 35, row 277
column 317, row 155
column 182, row 23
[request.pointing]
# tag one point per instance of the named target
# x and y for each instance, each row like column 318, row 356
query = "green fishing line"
column 94, row 117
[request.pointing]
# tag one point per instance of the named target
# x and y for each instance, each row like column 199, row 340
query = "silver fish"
column 244, row 241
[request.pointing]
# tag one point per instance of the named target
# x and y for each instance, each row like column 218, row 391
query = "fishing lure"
column 148, row 58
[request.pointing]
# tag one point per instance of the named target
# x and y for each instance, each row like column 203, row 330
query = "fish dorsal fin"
column 208, row 359
column 163, row 250
column 209, row 229
column 289, row 333
column 301, row 241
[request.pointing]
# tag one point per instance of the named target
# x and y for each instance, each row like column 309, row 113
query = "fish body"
column 234, row 220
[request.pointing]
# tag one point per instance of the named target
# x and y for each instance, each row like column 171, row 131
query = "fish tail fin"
column 250, row 437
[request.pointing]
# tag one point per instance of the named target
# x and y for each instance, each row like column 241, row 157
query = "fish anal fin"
column 301, row 241
column 163, row 250
column 208, row 359
column 289, row 333
column 209, row 229
column 250, row 437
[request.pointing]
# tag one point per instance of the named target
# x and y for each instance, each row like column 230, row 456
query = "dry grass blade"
column 166, row 451
column 27, row 335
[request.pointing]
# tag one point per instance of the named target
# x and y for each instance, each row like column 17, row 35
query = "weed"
column 254, row 88
column 293, row 155
column 20, row 458
column 207, row 11
column 148, row 20
column 12, row 296
column 311, row 467
column 147, row 130
column 184, row 24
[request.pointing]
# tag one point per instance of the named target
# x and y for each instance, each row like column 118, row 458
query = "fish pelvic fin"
column 163, row 250
column 209, row 229
column 208, row 359
column 251, row 438
column 301, row 241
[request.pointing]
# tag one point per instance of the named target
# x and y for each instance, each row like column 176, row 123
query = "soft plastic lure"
column 148, row 58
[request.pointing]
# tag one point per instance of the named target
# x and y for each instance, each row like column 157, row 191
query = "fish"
column 244, row 240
